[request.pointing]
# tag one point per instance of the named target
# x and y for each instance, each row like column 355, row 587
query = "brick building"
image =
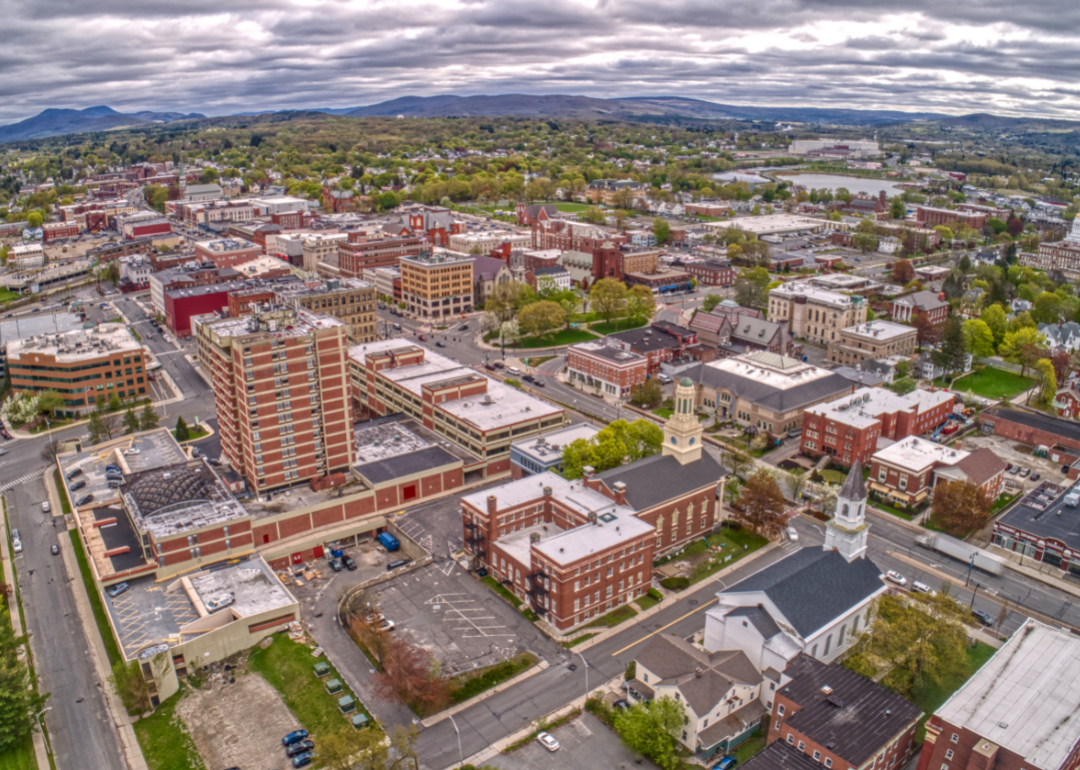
column 435, row 223
column 709, row 272
column 909, row 469
column 82, row 366
column 147, row 227
column 872, row 340
column 605, row 367
column 1014, row 712
column 815, row 314
column 735, row 330
column 929, row 216
column 181, row 305
column 661, row 342
column 58, row 231
column 437, row 286
column 848, row 429
column 527, row 213
column 1033, row 429
column 575, row 550
column 349, row 300
column 479, row 415
column 227, row 252
column 921, row 303
column 838, row 719
column 281, row 384
column 566, row 235
column 363, row 254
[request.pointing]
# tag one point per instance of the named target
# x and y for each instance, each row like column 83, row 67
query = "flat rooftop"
column 1043, row 513
column 78, row 345
column 603, row 348
column 174, row 499
column 880, row 330
column 769, row 224
column 35, row 325
column 1024, row 698
column 772, row 369
column 549, row 446
column 300, row 324
column 863, row 407
column 813, row 293
column 916, row 455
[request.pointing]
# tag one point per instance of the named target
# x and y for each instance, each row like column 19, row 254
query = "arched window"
column 845, row 509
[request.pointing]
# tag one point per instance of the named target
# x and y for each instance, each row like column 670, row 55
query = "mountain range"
column 55, row 122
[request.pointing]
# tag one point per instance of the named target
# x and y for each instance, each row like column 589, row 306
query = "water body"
column 855, row 184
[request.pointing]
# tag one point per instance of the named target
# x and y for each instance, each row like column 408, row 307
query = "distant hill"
column 54, row 122
column 982, row 121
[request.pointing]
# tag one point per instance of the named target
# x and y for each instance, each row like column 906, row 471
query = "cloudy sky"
column 1016, row 57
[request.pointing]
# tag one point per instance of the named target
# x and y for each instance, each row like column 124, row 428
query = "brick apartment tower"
column 281, row 383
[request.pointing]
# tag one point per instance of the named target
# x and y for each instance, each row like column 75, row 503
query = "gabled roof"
column 658, row 478
column 779, row 756
column 923, row 300
column 759, row 618
column 754, row 330
column 978, row 467
column 813, row 587
column 703, row 678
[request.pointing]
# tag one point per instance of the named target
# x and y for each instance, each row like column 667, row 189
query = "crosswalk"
column 22, row 479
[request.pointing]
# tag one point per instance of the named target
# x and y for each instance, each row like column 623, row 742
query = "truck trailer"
column 958, row 549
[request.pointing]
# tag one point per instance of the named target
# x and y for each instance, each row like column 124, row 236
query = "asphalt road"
column 80, row 731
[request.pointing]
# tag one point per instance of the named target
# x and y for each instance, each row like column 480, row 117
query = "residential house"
column 925, row 303
column 1061, row 336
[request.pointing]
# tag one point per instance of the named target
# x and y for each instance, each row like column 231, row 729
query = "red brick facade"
column 353, row 258
column 948, row 747
column 583, row 363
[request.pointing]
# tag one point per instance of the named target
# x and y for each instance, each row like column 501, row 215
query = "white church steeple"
column 847, row 530
column 682, row 432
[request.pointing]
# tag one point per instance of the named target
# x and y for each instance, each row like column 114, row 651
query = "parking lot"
column 1015, row 453
column 584, row 744
column 446, row 610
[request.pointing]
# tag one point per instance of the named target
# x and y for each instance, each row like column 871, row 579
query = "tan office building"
column 876, row 339
column 437, row 286
column 816, row 315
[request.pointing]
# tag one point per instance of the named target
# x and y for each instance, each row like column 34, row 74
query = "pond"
column 855, row 184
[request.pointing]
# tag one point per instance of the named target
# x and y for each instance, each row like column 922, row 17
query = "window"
column 802, row 745
column 817, row 756
column 944, row 767
column 790, row 738
column 949, row 754
column 780, row 709
column 828, row 762
column 954, row 738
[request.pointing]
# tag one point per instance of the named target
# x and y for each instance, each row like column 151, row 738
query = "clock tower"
column 682, row 433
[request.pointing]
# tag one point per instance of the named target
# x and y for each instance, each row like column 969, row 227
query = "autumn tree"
column 541, row 318
column 1063, row 365
column 608, row 298
column 762, row 504
column 903, row 272
column 412, row 674
column 926, row 331
column 922, row 638
column 959, row 506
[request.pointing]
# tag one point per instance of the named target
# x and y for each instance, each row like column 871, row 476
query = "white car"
column 46, row 507
column 547, row 740
column 132, row 451
column 896, row 577
column 16, row 546
column 792, row 534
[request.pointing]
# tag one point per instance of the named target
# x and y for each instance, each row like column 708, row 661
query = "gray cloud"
column 985, row 55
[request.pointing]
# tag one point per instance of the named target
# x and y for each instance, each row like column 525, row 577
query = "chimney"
column 698, row 672
column 620, row 493
column 493, row 505
column 826, row 691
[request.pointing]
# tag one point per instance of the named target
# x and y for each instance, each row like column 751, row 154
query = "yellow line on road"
column 669, row 625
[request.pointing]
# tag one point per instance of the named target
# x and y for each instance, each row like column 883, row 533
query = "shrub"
column 675, row 583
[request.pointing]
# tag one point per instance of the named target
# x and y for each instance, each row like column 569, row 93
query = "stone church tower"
column 847, row 530
column 682, row 433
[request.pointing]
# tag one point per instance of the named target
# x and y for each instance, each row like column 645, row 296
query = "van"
column 397, row 563
column 513, row 370
column 922, row 588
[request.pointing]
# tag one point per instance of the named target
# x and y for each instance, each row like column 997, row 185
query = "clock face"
column 692, row 440
column 674, row 440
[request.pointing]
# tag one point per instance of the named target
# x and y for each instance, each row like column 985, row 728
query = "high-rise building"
column 437, row 286
column 281, row 380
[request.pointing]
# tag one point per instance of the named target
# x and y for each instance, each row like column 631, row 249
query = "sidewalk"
column 40, row 753
column 129, row 744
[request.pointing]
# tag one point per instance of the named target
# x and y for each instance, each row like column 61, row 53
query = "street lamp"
column 974, row 591
column 585, row 663
column 42, row 729
column 461, row 754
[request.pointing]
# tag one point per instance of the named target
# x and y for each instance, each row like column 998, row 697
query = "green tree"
column 34, row 219
column 131, row 421
column 593, row 216
column 978, row 339
column 1012, row 348
column 608, row 298
column 959, row 506
column 541, row 318
column 951, row 353
column 710, row 302
column 1048, row 378
column 646, row 393
column 97, row 428
column 994, row 317
column 49, row 401
column 18, row 701
column 387, row 201
column 148, row 419
column 661, row 230
column 640, row 303
column 129, row 684
column 208, row 176
column 619, row 442
column 1047, row 308
column 751, row 287
column 902, row 367
column 181, row 431
column 652, row 729
column 922, row 637
column 897, row 209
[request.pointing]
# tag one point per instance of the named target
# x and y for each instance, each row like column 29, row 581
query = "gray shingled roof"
column 703, row 678
column 779, row 756
column 799, row 396
column 659, row 478
column 754, row 330
column 854, row 488
column 761, row 620
column 812, row 587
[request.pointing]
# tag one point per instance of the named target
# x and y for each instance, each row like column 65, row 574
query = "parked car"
column 84, row 500
column 665, row 379
column 1025, row 473
column 293, row 737
column 547, row 740
column 621, row 705
column 498, row 364
column 440, row 344
column 396, row 563
column 1014, row 469
column 922, row 588
column 335, row 565
column 118, row 589
column 77, row 486
column 793, row 534
column 463, row 328
column 528, row 378
column 54, row 550
column 300, row 747
column 490, row 367
column 983, row 617
column 73, row 474
column 303, row 760
column 538, row 383
column 16, row 545
column 349, row 563
column 726, row 763
column 896, row 577
column 482, row 573
column 421, row 337
column 46, row 507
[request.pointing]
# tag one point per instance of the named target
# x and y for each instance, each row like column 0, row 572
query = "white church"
column 812, row 601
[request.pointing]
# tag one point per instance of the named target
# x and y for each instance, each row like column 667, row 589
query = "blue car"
column 293, row 737
column 300, row 760
column 726, row 763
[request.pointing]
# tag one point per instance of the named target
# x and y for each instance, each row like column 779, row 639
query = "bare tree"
column 795, row 481
column 50, row 450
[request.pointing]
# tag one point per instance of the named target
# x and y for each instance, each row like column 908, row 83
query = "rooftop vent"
column 826, row 690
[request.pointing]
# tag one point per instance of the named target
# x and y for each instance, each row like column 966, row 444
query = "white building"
column 26, row 256
column 813, row 601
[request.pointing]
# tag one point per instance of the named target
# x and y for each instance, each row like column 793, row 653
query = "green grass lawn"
column 111, row 649
column 472, row 683
column 558, row 339
column 618, row 325
column 61, row 490
column 1001, row 502
column 287, row 666
column 646, row 602
column 663, row 412
column 193, row 433
column 832, row 476
column 929, row 699
column 614, row 618
column 579, row 640
column 7, row 296
column 992, row 383
column 749, row 747
column 501, row 590
column 165, row 741
column 886, row 508
column 572, row 208
column 737, row 543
